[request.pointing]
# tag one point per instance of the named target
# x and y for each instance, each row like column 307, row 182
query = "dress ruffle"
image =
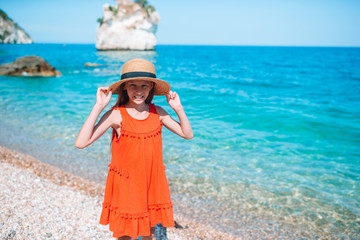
column 161, row 213
column 118, row 171
column 126, row 224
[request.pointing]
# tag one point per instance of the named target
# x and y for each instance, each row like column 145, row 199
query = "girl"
column 137, row 195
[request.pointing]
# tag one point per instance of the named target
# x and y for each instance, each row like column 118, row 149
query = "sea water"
column 276, row 129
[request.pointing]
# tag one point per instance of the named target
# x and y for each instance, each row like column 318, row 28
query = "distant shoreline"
column 190, row 45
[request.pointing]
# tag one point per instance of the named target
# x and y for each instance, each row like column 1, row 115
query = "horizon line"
column 204, row 45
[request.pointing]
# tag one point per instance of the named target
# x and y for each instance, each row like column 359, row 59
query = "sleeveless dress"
column 137, row 194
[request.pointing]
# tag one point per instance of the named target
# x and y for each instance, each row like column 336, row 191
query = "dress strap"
column 114, row 133
column 121, row 109
column 152, row 108
column 126, row 118
column 124, row 113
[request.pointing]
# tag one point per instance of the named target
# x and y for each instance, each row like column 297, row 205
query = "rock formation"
column 127, row 26
column 29, row 66
column 89, row 64
column 10, row 32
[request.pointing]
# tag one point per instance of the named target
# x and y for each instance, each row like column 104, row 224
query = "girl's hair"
column 124, row 98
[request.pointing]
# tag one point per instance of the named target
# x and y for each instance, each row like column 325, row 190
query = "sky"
column 200, row 22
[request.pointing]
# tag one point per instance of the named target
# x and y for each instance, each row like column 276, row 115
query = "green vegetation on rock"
column 145, row 5
column 114, row 10
column 3, row 14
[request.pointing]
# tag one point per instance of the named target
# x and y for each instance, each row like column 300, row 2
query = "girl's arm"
column 90, row 132
column 183, row 129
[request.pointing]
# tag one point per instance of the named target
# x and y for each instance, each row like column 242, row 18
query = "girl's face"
column 138, row 90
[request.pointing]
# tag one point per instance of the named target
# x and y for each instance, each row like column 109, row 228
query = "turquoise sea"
column 277, row 129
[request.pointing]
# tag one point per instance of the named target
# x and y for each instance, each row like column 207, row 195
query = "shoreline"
column 82, row 200
column 53, row 182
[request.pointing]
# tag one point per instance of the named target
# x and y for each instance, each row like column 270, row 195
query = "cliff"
column 11, row 32
column 127, row 26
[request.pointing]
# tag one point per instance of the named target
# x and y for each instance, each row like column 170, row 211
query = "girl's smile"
column 138, row 90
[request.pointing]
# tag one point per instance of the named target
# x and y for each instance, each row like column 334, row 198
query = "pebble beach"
column 40, row 201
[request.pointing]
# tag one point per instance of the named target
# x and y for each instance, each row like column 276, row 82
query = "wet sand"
column 40, row 201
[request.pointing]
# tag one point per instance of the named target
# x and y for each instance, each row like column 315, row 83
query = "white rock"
column 127, row 26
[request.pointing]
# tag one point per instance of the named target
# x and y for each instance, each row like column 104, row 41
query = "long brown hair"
column 123, row 97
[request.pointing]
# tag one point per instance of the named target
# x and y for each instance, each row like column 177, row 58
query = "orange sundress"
column 137, row 194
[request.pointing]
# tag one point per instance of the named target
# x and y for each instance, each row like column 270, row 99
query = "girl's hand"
column 173, row 100
column 101, row 99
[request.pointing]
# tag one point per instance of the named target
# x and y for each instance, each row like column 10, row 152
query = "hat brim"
column 161, row 87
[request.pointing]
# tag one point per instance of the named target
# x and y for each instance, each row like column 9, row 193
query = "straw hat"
column 140, row 69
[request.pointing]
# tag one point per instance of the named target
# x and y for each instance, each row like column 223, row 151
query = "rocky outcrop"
column 127, row 26
column 89, row 64
column 29, row 66
column 11, row 32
